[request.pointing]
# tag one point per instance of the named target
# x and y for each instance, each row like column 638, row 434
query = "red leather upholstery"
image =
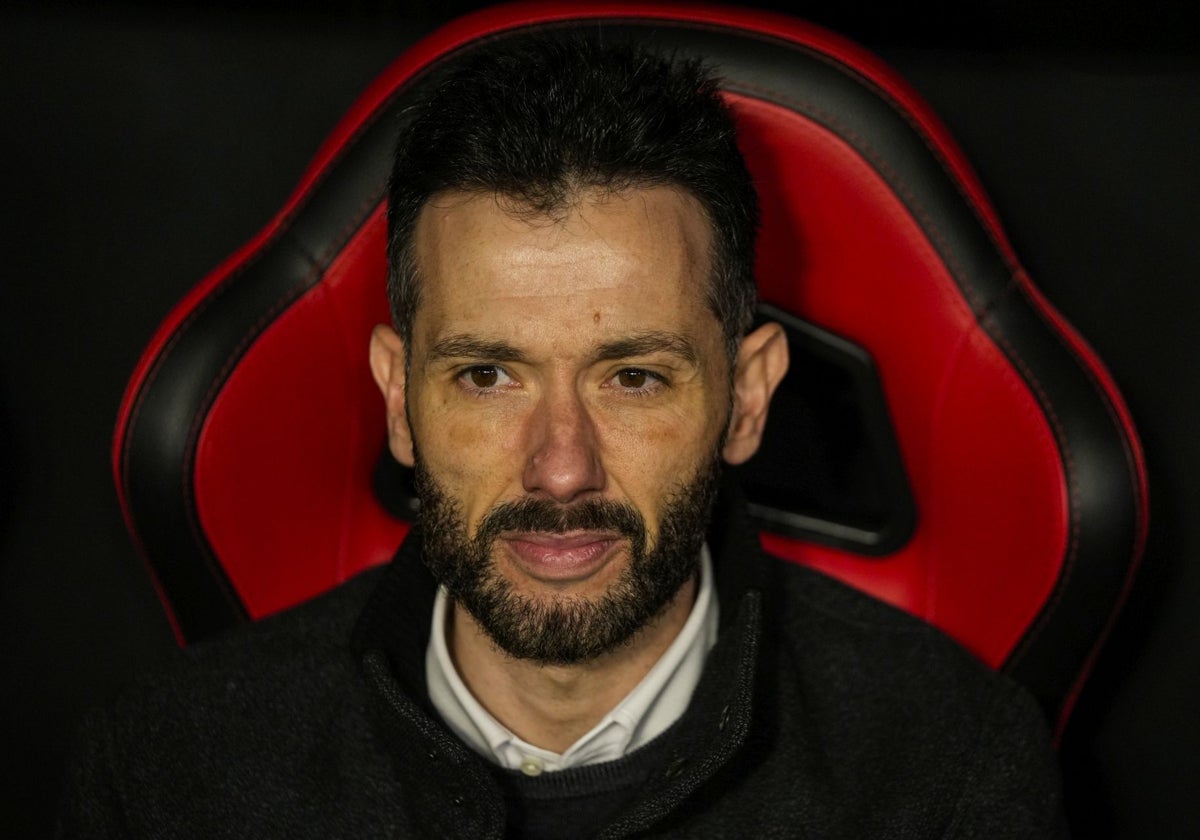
column 248, row 437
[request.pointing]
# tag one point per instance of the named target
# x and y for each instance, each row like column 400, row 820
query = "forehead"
column 631, row 259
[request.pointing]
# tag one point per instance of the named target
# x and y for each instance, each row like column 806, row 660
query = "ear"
column 762, row 360
column 387, row 366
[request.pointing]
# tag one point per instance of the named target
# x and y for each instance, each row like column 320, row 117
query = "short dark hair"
column 539, row 118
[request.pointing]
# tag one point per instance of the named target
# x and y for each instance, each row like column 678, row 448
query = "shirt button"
column 531, row 765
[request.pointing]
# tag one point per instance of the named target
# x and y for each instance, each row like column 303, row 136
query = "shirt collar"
column 649, row 709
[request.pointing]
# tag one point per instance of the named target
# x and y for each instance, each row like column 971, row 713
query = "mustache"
column 545, row 516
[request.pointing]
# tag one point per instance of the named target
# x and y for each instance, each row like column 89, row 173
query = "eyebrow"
column 643, row 344
column 468, row 346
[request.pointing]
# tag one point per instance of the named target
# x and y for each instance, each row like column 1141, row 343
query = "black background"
column 143, row 143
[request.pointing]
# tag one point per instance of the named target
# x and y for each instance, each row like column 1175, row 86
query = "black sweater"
column 821, row 713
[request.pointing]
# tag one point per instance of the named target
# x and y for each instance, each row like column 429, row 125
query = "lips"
column 561, row 557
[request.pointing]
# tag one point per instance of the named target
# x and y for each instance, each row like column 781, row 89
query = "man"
column 579, row 639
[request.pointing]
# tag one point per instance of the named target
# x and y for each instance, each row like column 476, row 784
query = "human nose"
column 563, row 459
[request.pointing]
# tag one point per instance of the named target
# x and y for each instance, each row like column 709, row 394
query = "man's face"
column 566, row 395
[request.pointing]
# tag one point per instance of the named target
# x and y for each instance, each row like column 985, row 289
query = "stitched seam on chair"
column 135, row 413
column 205, row 551
column 905, row 114
column 933, row 509
column 281, row 229
column 1098, row 387
column 894, row 178
column 201, row 416
column 283, row 225
column 356, row 434
column 318, row 266
column 1044, row 616
column 1072, row 481
column 215, row 294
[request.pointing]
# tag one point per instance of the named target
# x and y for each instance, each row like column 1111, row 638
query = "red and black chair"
column 945, row 440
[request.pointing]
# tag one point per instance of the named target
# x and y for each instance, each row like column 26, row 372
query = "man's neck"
column 553, row 706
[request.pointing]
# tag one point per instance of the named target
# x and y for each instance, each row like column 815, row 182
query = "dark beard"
column 568, row 630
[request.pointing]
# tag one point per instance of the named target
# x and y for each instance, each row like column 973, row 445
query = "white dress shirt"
column 653, row 705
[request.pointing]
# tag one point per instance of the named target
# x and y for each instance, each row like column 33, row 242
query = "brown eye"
column 632, row 378
column 484, row 377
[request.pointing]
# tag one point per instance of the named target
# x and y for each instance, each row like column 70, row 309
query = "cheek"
column 675, row 430
column 471, row 454
column 647, row 458
column 664, row 438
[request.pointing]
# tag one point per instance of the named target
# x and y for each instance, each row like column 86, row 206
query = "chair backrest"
column 945, row 441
